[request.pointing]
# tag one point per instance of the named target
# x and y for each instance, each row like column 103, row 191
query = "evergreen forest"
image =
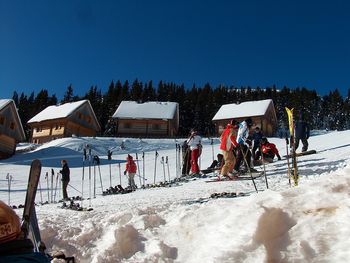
column 197, row 105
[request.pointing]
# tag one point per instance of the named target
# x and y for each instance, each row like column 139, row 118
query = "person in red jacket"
column 228, row 143
column 130, row 170
column 269, row 151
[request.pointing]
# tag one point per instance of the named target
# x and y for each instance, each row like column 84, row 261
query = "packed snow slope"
column 308, row 223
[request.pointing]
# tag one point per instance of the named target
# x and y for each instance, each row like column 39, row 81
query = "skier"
column 228, row 143
column 269, row 151
column 130, row 170
column 215, row 165
column 302, row 132
column 244, row 142
column 13, row 247
column 195, row 144
column 257, row 136
column 65, row 178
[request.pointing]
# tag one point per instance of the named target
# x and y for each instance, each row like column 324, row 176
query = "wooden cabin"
column 11, row 130
column 262, row 113
column 66, row 120
column 148, row 119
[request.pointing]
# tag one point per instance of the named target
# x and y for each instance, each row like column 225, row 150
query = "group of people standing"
column 239, row 144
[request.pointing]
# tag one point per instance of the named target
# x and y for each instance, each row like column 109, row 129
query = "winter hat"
column 10, row 225
column 129, row 157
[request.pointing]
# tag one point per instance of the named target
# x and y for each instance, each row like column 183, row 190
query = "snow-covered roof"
column 146, row 110
column 57, row 111
column 4, row 102
column 244, row 109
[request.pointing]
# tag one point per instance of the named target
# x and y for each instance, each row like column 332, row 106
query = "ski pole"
column 82, row 179
column 212, row 147
column 90, row 159
column 52, row 178
column 74, row 188
column 155, row 167
column 263, row 161
column 109, row 153
column 167, row 163
column 41, row 194
column 94, row 181
column 47, row 184
column 287, row 143
column 143, row 168
column 54, row 200
column 162, row 162
column 99, row 171
column 138, row 168
column 120, row 174
column 176, row 164
column 9, row 179
column 248, row 166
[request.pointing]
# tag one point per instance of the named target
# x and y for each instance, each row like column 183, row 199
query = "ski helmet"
column 10, row 225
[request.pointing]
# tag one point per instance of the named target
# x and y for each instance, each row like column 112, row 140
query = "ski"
column 75, row 206
column 216, row 196
column 39, row 246
column 301, row 153
column 295, row 174
column 29, row 210
column 238, row 178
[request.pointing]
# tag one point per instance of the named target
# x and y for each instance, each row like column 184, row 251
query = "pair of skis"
column 29, row 218
column 294, row 172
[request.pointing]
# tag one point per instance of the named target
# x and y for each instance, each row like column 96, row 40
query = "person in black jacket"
column 65, row 178
column 302, row 132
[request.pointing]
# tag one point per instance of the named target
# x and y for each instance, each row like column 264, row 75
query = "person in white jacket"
column 195, row 144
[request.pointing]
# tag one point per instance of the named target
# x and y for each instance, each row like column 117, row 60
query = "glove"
column 279, row 158
column 124, row 172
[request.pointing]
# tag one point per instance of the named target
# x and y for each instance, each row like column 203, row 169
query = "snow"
column 308, row 223
column 146, row 110
column 57, row 111
column 4, row 102
column 244, row 109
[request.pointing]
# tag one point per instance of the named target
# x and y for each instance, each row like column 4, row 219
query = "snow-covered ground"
column 308, row 223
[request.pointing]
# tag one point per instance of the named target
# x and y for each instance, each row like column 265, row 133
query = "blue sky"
column 52, row 44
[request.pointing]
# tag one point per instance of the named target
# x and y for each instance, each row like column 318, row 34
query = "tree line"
column 198, row 104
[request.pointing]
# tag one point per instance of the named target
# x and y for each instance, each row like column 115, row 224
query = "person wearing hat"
column 195, row 144
column 130, row 170
column 227, row 146
column 244, row 142
column 268, row 151
column 13, row 246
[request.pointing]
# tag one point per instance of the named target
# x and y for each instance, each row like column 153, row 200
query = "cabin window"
column 2, row 120
column 39, row 129
column 12, row 126
column 88, row 119
column 80, row 116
